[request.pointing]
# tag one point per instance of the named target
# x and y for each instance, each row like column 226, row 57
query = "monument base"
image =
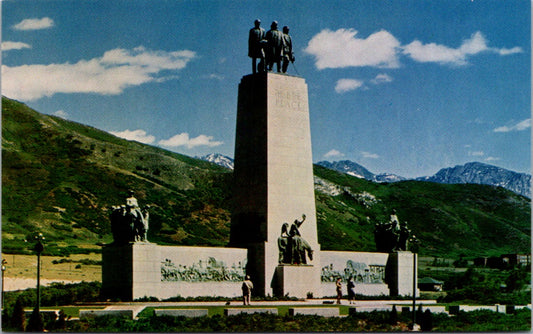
column 137, row 270
column 127, row 270
column 298, row 281
column 400, row 273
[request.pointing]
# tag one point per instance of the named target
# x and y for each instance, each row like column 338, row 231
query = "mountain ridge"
column 482, row 173
column 472, row 172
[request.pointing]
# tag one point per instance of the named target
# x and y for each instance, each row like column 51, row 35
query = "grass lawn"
column 25, row 266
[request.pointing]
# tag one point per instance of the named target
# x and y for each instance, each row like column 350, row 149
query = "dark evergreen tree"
column 18, row 318
column 393, row 317
column 419, row 314
column 35, row 324
column 426, row 322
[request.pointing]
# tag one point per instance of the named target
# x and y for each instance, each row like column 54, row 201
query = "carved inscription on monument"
column 292, row 100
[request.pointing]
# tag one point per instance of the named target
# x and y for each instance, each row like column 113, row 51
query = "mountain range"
column 61, row 178
column 472, row 172
column 480, row 173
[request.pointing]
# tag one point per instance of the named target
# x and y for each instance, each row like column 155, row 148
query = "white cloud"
column 61, row 113
column 183, row 139
column 333, row 153
column 443, row 54
column 381, row 78
column 369, row 155
column 8, row 45
column 138, row 135
column 505, row 52
column 489, row 159
column 215, row 76
column 520, row 126
column 34, row 24
column 341, row 48
column 476, row 154
column 108, row 75
column 346, row 85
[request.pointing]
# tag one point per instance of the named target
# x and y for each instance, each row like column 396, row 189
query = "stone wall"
column 366, row 269
column 147, row 270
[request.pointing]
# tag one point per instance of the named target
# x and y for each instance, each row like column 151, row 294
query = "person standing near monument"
column 338, row 286
column 288, row 56
column 256, row 40
column 247, row 287
column 274, row 39
column 351, row 290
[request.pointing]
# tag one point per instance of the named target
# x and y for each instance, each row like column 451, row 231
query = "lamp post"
column 413, row 242
column 4, row 262
column 38, row 249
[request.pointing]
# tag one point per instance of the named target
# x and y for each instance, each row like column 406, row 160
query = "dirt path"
column 11, row 284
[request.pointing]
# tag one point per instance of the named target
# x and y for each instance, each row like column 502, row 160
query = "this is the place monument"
column 273, row 236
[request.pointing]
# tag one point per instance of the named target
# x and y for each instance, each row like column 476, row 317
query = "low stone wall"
column 246, row 310
column 189, row 313
column 85, row 314
column 367, row 270
column 329, row 289
column 140, row 270
column 320, row 311
column 149, row 270
column 509, row 309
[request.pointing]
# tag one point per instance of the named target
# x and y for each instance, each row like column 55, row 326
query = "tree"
column 35, row 324
column 516, row 280
column 393, row 317
column 426, row 322
column 18, row 318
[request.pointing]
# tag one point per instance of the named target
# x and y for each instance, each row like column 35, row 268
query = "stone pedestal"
column 128, row 271
column 296, row 281
column 399, row 273
column 273, row 175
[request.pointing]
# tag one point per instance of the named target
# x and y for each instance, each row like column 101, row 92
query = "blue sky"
column 405, row 87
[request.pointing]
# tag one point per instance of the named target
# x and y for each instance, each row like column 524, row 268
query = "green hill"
column 60, row 178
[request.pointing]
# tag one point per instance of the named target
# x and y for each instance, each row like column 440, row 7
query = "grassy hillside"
column 448, row 219
column 61, row 177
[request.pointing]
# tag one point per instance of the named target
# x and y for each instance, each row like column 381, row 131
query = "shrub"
column 35, row 324
column 426, row 322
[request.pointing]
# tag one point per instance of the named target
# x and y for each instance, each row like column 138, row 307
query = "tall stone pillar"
column 273, row 174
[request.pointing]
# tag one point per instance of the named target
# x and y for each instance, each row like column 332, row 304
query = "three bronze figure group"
column 270, row 47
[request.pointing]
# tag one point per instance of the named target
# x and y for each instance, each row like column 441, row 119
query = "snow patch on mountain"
column 219, row 159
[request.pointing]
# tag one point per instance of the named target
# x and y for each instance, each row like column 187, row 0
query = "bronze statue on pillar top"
column 256, row 44
column 274, row 49
column 129, row 223
column 391, row 236
column 271, row 47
